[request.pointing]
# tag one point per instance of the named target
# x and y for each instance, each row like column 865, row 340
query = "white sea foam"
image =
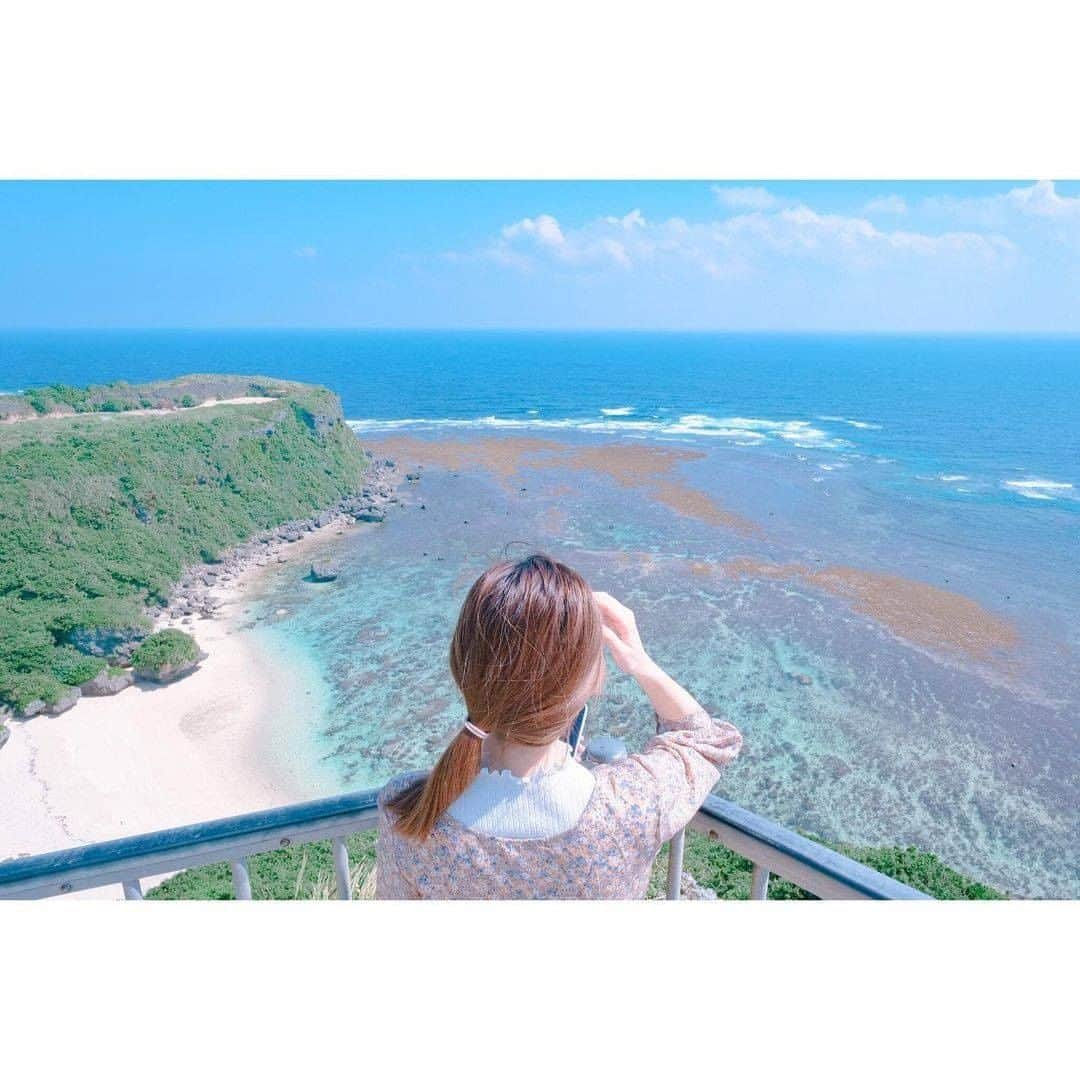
column 950, row 478
column 740, row 430
column 863, row 425
column 1034, row 488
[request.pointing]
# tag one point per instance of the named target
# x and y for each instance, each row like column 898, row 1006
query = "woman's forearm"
column 670, row 700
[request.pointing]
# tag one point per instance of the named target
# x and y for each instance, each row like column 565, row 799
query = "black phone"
column 577, row 729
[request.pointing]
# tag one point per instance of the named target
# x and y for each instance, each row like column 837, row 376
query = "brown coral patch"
column 920, row 612
column 650, row 469
column 504, row 457
column 913, row 610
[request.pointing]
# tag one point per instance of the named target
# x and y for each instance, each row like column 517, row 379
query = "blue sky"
column 901, row 256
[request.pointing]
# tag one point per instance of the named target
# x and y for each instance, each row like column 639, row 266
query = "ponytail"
column 525, row 654
column 420, row 805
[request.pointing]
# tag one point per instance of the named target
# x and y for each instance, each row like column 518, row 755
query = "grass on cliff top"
column 306, row 872
column 99, row 514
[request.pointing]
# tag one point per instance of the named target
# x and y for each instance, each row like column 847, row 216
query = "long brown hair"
column 527, row 641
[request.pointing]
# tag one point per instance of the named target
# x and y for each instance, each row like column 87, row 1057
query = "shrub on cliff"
column 165, row 648
column 21, row 690
column 73, row 668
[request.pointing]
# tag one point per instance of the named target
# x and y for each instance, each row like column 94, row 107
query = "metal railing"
column 771, row 848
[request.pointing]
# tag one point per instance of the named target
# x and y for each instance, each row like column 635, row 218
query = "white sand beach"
column 154, row 757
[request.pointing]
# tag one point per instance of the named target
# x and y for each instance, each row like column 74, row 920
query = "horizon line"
column 733, row 331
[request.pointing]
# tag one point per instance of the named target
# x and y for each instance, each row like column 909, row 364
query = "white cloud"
column 1020, row 207
column 735, row 246
column 1042, row 199
column 604, row 242
column 886, row 204
column 544, row 229
column 306, row 252
column 744, row 198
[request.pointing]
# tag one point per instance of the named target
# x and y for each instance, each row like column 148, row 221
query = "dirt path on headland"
column 67, row 414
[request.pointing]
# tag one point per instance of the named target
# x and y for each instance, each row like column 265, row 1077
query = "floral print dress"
column 637, row 804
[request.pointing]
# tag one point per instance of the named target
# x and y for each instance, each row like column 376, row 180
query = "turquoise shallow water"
column 887, row 743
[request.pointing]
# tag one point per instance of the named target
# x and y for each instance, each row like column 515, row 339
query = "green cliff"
column 103, row 503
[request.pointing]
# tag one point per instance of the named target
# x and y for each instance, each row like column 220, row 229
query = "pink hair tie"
column 472, row 729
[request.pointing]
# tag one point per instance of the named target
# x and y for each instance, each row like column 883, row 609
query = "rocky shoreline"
column 193, row 596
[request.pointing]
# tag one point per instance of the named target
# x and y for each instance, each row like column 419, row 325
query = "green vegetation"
column 23, row 689
column 99, row 514
column 306, row 872
column 728, row 875
column 73, row 668
column 166, row 647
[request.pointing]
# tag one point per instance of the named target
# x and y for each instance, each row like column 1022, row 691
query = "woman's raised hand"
column 621, row 634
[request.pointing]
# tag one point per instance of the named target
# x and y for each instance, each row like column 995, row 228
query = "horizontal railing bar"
column 814, row 867
column 226, row 839
column 823, row 872
column 184, row 858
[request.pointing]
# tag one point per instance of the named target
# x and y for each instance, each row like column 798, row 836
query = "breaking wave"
column 742, row 430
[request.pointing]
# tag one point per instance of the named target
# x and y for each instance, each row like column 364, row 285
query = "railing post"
column 674, row 865
column 133, row 890
column 241, row 880
column 759, row 882
column 341, row 869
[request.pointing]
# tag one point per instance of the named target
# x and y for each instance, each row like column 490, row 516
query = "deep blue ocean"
column 951, row 461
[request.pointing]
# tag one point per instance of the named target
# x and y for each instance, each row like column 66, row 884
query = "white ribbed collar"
column 534, row 807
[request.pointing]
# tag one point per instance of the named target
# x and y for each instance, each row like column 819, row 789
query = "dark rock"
column 369, row 515
column 324, row 571
column 390, row 463
column 412, row 477
column 104, row 640
column 122, row 653
column 103, row 684
column 4, row 735
column 66, row 700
